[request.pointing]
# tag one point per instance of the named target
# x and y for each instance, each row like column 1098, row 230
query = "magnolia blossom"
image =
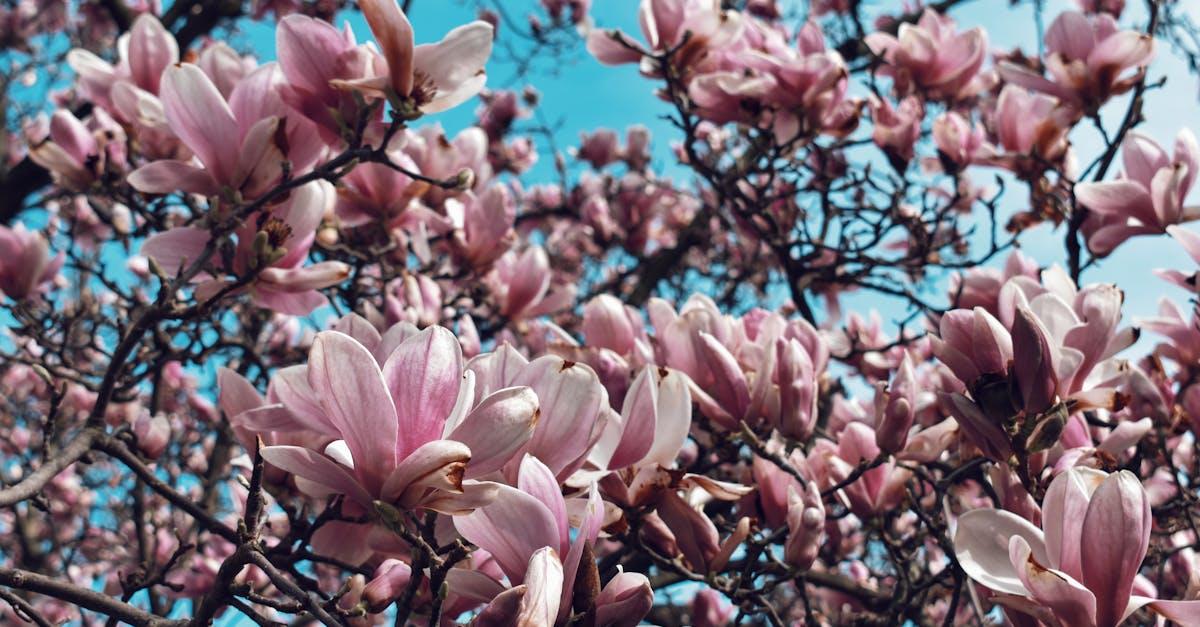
column 1032, row 129
column 274, row 244
column 241, row 143
column 25, row 262
column 1087, row 57
column 664, row 24
column 932, row 57
column 524, row 520
column 144, row 52
column 1081, row 567
column 758, row 367
column 1051, row 339
column 1147, row 198
column 74, row 152
column 428, row 78
column 401, row 411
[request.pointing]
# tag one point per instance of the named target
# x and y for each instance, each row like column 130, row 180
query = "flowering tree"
column 279, row 350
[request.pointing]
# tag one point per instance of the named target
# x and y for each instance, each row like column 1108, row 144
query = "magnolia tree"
column 279, row 350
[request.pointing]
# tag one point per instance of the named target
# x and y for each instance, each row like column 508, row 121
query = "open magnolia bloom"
column 427, row 78
column 1149, row 196
column 273, row 242
column 1080, row 568
column 520, row 524
column 1087, row 58
column 400, row 410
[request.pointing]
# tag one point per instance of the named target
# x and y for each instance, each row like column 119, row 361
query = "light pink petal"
column 543, row 590
column 1115, row 535
column 350, row 388
column 512, row 529
column 674, row 417
column 1188, row 239
column 624, row 601
column 199, row 116
column 309, row 51
column 536, row 480
column 236, row 394
column 455, row 64
column 360, row 329
column 981, row 546
column 1117, row 198
column 497, row 428
column 176, row 248
column 151, row 50
column 316, row 468
column 639, row 414
column 438, row 464
column 730, row 386
column 1067, row 598
column 1071, row 34
column 169, row 176
column 1063, row 511
column 602, row 45
column 571, row 399
column 1142, row 158
column 290, row 386
column 1125, row 49
column 424, row 375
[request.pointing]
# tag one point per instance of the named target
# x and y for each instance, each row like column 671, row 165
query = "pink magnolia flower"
column 895, row 408
column 758, row 367
column 274, row 242
column 1191, row 243
column 1080, row 567
column 73, row 153
column 578, row 8
column 483, row 225
column 145, row 52
column 1045, row 359
column 897, row 129
column 241, row 143
column 25, row 262
column 664, row 24
column 524, row 285
column 1182, row 333
column 653, row 425
column 573, row 410
column 958, row 141
column 806, row 526
column 1032, row 129
column 1086, row 57
column 599, row 148
column 879, row 489
column 406, row 430
column 534, row 515
column 427, row 78
column 710, row 609
column 980, row 287
column 1147, row 198
column 932, row 58
column 376, row 191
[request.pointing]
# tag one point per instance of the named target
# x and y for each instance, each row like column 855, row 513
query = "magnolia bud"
column 895, row 409
column 806, row 521
column 153, row 435
column 389, row 583
column 465, row 179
